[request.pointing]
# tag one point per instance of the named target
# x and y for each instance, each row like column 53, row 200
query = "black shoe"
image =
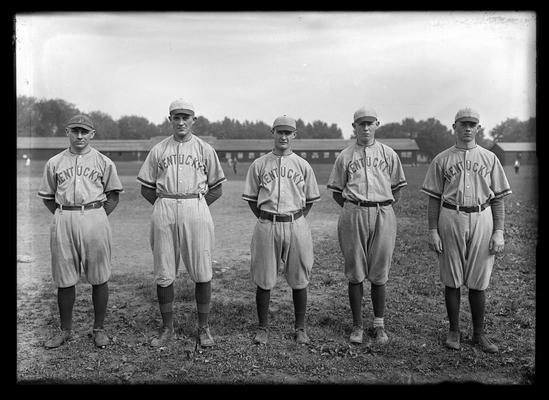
column 59, row 338
column 165, row 336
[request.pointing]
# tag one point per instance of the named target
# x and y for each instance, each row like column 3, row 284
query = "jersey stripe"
column 399, row 185
column 146, row 183
column 312, row 200
column 502, row 194
column 46, row 196
column 220, row 181
column 335, row 188
column 430, row 193
column 249, row 197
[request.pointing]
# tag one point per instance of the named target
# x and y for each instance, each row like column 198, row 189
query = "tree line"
column 47, row 117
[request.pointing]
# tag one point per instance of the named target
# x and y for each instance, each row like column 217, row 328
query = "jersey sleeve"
column 251, row 185
column 148, row 173
column 111, row 181
column 312, row 194
column 48, row 185
column 215, row 173
column 338, row 176
column 398, row 180
column 500, row 185
column 433, row 184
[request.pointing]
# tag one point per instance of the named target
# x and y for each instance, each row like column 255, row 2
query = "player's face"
column 79, row 138
column 365, row 131
column 283, row 139
column 182, row 124
column 466, row 131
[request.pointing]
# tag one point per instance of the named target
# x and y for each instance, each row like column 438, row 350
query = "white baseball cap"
column 285, row 122
column 365, row 114
column 181, row 106
column 467, row 114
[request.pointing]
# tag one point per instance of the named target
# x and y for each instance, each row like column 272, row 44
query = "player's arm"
column 497, row 243
column 111, row 202
column 213, row 194
column 254, row 208
column 307, row 208
column 396, row 195
column 433, row 211
column 338, row 197
column 50, row 203
column 148, row 193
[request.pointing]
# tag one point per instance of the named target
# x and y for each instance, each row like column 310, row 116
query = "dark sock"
column 262, row 299
column 356, row 292
column 165, row 301
column 65, row 302
column 300, row 306
column 377, row 295
column 203, row 295
column 452, row 297
column 100, row 298
column 477, row 301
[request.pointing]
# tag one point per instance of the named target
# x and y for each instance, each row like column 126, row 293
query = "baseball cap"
column 181, row 106
column 467, row 114
column 285, row 122
column 82, row 121
column 365, row 114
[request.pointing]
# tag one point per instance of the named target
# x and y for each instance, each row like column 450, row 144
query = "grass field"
column 415, row 313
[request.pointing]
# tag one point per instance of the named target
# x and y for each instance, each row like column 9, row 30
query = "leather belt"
column 371, row 203
column 467, row 209
column 280, row 217
column 179, row 196
column 93, row 204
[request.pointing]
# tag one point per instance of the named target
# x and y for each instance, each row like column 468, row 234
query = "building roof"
column 516, row 146
column 218, row 144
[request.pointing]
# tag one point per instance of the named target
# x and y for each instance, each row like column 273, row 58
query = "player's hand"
column 497, row 243
column 435, row 243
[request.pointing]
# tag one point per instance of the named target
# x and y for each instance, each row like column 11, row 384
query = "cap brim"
column 182, row 111
column 367, row 118
column 469, row 119
column 285, row 128
column 80, row 126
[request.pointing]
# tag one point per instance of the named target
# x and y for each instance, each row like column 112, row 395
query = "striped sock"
column 378, row 322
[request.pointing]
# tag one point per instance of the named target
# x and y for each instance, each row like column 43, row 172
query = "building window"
column 304, row 154
column 314, row 155
column 326, row 154
column 240, row 155
column 251, row 155
column 406, row 154
column 227, row 155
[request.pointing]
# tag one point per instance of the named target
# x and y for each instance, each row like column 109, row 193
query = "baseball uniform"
column 366, row 177
column 80, row 231
column 281, row 186
column 182, row 227
column 465, row 181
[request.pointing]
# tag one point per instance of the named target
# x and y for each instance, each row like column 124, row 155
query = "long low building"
column 313, row 150
column 508, row 152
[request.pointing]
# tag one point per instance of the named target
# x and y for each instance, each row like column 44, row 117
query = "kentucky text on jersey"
column 289, row 173
column 476, row 167
column 356, row 165
column 183, row 159
column 67, row 173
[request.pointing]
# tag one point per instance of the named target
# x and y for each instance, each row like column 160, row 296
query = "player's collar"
column 184, row 140
column 79, row 154
column 465, row 149
column 366, row 145
column 285, row 155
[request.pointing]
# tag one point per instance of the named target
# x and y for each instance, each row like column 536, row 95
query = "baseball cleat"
column 380, row 335
column 452, row 340
column 301, row 336
column 356, row 335
column 59, row 338
column 204, row 337
column 100, row 338
column 166, row 335
column 485, row 344
column 261, row 336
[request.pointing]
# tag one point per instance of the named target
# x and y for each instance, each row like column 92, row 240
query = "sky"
column 255, row 66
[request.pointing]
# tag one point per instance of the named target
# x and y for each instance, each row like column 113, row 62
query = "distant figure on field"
column 231, row 163
column 517, row 166
column 27, row 160
column 235, row 162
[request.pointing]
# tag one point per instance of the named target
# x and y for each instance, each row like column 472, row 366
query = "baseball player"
column 181, row 177
column 80, row 187
column 280, row 189
column 366, row 180
column 466, row 185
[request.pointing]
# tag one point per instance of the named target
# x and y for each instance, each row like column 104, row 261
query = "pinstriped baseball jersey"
column 367, row 173
column 281, row 184
column 466, row 177
column 181, row 167
column 181, row 228
column 70, row 178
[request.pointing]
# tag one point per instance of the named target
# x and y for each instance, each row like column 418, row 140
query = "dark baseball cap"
column 81, row 121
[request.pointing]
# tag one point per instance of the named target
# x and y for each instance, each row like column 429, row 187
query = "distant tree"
column 52, row 115
column 392, row 130
column 134, row 127
column 26, row 115
column 106, row 128
column 432, row 136
column 513, row 130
